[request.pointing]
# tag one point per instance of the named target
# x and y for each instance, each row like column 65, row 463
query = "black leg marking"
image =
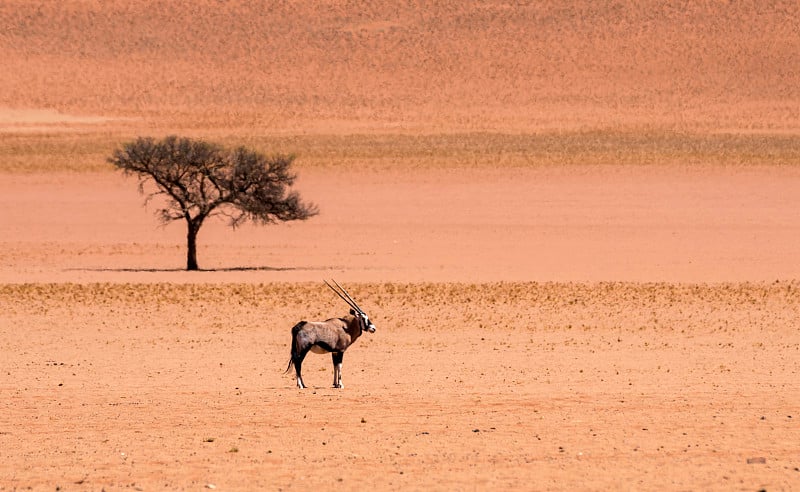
column 298, row 363
column 337, row 369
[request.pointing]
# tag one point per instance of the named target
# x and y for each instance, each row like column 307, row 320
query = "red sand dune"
column 336, row 66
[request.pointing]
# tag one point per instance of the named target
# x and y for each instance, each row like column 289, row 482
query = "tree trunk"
column 191, row 246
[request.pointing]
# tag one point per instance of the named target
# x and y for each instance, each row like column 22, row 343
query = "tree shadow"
column 175, row 270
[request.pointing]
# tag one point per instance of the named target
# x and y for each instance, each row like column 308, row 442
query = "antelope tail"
column 295, row 330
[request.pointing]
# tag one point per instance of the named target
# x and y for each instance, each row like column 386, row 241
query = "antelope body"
column 330, row 336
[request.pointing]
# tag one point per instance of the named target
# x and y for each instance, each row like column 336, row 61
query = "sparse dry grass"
column 686, row 308
column 433, row 67
column 406, row 87
column 87, row 152
column 55, row 152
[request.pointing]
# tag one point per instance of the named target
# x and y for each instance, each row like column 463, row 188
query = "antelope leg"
column 337, row 369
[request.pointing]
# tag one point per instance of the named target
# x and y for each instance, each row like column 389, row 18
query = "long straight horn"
column 349, row 302
column 348, row 295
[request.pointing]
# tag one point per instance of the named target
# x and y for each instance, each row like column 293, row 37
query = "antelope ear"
column 353, row 312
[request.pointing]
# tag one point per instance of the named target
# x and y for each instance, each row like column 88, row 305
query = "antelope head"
column 366, row 324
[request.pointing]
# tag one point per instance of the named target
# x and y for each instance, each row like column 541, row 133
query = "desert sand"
column 575, row 227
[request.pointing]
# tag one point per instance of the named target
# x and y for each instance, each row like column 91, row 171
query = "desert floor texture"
column 575, row 226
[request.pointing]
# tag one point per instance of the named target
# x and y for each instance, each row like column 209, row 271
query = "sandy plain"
column 575, row 226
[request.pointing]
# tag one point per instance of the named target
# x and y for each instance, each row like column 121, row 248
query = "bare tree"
column 199, row 180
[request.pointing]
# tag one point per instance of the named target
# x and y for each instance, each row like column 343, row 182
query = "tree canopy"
column 200, row 179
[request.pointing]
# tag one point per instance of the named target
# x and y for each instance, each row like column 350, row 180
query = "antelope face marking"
column 366, row 324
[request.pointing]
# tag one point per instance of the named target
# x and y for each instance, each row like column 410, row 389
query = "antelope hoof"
column 340, row 386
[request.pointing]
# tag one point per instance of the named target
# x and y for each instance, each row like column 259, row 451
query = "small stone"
column 760, row 460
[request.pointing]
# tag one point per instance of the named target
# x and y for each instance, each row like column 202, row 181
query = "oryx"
column 333, row 335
